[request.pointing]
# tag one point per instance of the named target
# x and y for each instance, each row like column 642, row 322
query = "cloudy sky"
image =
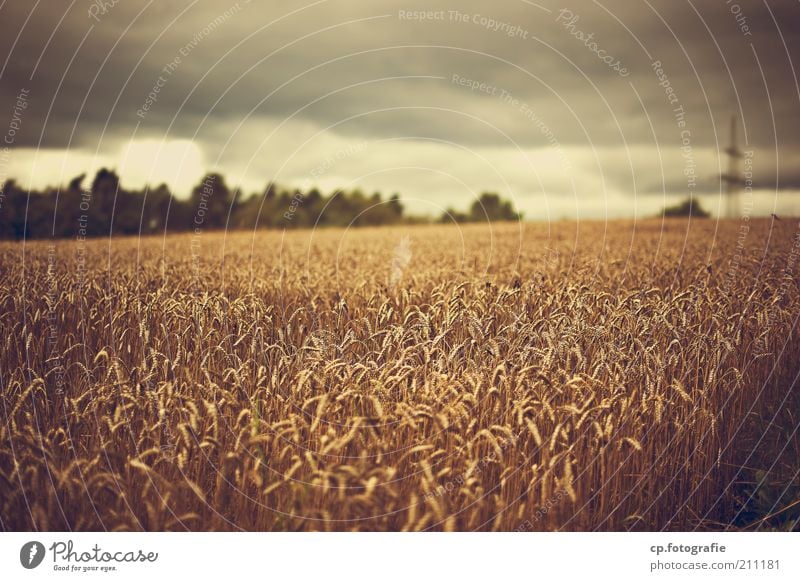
column 573, row 109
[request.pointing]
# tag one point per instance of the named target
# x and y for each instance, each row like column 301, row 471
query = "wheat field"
column 589, row 376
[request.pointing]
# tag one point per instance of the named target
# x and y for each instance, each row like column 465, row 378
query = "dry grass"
column 531, row 378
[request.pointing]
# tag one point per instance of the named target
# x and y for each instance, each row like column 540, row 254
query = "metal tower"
column 732, row 178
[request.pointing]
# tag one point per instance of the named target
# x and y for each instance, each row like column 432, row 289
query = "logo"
column 31, row 554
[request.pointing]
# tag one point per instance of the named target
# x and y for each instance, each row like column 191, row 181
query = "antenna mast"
column 732, row 178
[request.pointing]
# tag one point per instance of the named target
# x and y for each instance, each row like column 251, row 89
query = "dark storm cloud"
column 193, row 66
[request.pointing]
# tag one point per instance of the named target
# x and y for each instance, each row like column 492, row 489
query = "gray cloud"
column 370, row 72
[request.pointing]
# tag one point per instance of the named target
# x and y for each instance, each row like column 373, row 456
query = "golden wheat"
column 486, row 389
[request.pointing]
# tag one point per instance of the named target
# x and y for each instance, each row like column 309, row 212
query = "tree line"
column 105, row 208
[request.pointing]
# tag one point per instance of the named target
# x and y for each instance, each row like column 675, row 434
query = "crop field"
column 570, row 376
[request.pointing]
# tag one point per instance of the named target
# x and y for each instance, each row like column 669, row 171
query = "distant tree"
column 688, row 207
column 11, row 222
column 451, row 215
column 155, row 210
column 211, row 201
column 107, row 208
column 313, row 203
column 267, row 210
column 104, row 191
column 490, row 207
column 395, row 205
column 71, row 208
column 76, row 183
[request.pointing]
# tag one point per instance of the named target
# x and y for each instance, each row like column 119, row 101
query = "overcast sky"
column 574, row 118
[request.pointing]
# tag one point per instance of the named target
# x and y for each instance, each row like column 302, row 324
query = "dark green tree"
column 688, row 207
column 490, row 207
column 211, row 200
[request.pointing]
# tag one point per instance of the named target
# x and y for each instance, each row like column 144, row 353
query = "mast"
column 732, row 178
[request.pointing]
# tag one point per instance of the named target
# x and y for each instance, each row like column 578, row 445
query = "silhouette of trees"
column 489, row 207
column 688, row 207
column 211, row 201
column 107, row 208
